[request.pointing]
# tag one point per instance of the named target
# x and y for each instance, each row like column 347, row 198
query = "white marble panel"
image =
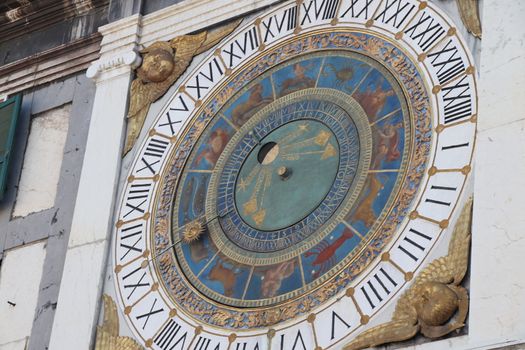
column 79, row 297
column 16, row 345
column 502, row 70
column 20, row 277
column 96, row 190
column 498, row 236
column 42, row 161
column 498, row 243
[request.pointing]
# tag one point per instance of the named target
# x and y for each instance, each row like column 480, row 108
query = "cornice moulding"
column 192, row 15
column 127, row 60
column 49, row 65
column 122, row 38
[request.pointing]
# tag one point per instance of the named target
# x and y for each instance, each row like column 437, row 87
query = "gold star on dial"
column 242, row 184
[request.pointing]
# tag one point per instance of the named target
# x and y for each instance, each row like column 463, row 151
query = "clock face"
column 297, row 179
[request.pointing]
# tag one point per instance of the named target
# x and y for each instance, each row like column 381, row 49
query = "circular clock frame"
column 440, row 163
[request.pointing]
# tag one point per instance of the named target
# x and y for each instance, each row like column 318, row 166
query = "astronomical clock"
column 297, row 181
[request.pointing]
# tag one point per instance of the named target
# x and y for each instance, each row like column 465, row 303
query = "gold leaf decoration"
column 435, row 304
column 192, row 231
column 108, row 334
column 162, row 64
column 469, row 12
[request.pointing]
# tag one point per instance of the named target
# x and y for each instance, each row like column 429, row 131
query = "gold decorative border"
column 345, row 38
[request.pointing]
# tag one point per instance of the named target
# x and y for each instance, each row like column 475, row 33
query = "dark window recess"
column 8, row 115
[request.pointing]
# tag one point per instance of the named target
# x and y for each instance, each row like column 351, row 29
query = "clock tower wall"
column 76, row 271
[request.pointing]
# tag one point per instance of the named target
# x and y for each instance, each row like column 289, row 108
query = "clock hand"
column 250, row 206
column 182, row 227
column 327, row 152
column 293, row 135
column 321, row 139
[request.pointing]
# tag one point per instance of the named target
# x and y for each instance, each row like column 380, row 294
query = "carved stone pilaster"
column 118, row 49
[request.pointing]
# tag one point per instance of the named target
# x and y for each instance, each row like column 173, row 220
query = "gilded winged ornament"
column 435, row 304
column 108, row 334
column 162, row 64
column 469, row 12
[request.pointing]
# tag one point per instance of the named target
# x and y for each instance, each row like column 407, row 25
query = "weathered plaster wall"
column 50, row 226
column 20, row 275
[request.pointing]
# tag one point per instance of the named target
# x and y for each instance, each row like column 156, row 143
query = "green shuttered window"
column 8, row 115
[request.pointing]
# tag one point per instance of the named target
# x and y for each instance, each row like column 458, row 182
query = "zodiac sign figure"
column 243, row 111
column 273, row 278
column 365, row 211
column 225, row 276
column 216, row 143
column 388, row 144
column 198, row 251
column 373, row 101
column 325, row 253
column 299, row 82
column 342, row 76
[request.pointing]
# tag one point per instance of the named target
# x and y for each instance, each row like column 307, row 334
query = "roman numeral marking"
column 203, row 343
column 130, row 248
column 445, row 188
column 394, row 13
column 210, row 76
column 427, row 35
column 288, row 17
column 328, row 9
column 457, row 101
column 155, row 149
column 167, row 338
column 242, row 346
column 127, row 233
column 437, row 202
column 335, row 317
column 374, row 285
column 136, row 284
column 137, row 197
column 448, row 63
column 354, row 13
column 172, row 122
column 147, row 315
column 239, row 48
column 298, row 337
column 443, row 148
column 412, row 244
